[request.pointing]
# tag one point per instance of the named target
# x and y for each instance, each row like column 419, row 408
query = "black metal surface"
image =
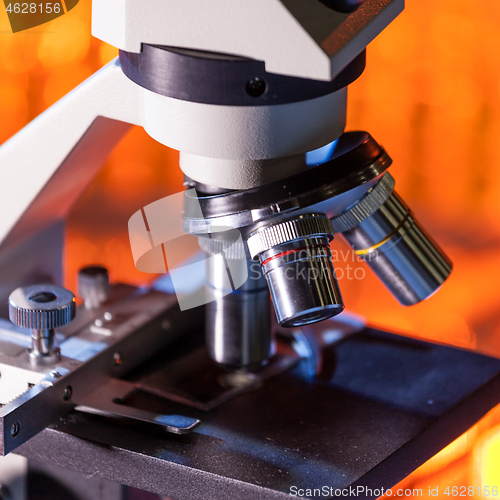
column 46, row 482
column 211, row 78
column 355, row 162
column 390, row 404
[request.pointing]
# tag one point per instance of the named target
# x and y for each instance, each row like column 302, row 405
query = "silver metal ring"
column 365, row 207
column 233, row 250
column 267, row 237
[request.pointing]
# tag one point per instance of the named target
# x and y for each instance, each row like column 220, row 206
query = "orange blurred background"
column 430, row 95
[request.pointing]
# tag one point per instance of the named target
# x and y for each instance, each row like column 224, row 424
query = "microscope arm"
column 47, row 165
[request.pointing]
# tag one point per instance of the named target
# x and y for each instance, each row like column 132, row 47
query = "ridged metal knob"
column 297, row 262
column 41, row 307
column 281, row 232
column 93, row 286
column 233, row 250
column 366, row 206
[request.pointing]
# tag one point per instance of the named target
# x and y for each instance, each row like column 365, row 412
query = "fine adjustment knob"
column 42, row 308
column 93, row 286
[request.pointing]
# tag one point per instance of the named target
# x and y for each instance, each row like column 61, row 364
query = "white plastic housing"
column 302, row 38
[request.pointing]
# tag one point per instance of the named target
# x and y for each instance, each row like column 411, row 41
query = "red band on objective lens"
column 289, row 252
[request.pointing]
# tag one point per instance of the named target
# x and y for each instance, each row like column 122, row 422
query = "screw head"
column 67, row 393
column 118, row 360
column 15, row 428
column 256, row 87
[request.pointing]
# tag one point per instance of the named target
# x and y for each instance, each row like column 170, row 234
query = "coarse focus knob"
column 41, row 307
column 93, row 286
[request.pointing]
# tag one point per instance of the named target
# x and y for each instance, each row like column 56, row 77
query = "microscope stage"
column 384, row 405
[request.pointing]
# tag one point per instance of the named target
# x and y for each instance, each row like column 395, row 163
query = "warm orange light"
column 75, row 33
column 430, row 95
column 451, row 453
column 487, row 462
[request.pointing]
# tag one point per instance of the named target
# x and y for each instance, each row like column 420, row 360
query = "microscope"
column 252, row 382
